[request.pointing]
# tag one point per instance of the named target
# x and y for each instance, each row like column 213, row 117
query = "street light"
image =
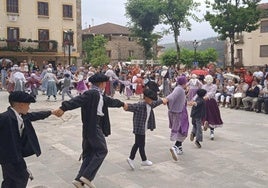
column 195, row 45
column 69, row 41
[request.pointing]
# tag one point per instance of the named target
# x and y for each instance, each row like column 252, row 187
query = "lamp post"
column 195, row 45
column 69, row 41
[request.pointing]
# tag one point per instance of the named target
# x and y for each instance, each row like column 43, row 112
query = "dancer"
column 213, row 117
column 66, row 86
column 178, row 117
column 143, row 119
column 96, row 125
column 18, row 139
column 194, row 84
column 51, row 84
column 198, row 112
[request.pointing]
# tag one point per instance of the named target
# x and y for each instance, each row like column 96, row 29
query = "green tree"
column 95, row 50
column 169, row 57
column 230, row 18
column 176, row 13
column 144, row 16
column 188, row 57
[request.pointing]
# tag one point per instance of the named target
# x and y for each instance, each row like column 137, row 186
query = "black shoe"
column 258, row 111
column 198, row 144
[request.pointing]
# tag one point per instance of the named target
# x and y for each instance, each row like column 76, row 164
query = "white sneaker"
column 131, row 163
column 179, row 151
column 147, row 163
column 87, row 182
column 212, row 136
column 78, row 184
column 173, row 151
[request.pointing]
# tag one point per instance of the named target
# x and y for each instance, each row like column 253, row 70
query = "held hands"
column 125, row 107
column 58, row 112
column 192, row 103
column 165, row 101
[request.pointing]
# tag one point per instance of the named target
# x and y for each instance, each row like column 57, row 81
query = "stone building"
column 40, row 30
column 121, row 47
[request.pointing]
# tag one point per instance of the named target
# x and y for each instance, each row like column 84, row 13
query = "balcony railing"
column 29, row 45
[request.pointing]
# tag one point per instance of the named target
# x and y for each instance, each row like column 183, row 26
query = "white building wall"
column 251, row 48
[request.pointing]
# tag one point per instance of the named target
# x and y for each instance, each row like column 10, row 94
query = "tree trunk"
column 232, row 53
column 178, row 49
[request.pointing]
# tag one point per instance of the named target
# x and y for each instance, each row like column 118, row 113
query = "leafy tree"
column 230, row 18
column 188, row 57
column 176, row 13
column 144, row 15
column 169, row 57
column 95, row 51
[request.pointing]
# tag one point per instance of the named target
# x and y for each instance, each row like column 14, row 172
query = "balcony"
column 29, row 45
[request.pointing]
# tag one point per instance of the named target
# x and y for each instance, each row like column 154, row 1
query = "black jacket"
column 13, row 147
column 88, row 102
column 199, row 110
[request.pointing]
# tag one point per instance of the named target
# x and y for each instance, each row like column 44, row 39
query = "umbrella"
column 231, row 76
column 199, row 72
column 7, row 60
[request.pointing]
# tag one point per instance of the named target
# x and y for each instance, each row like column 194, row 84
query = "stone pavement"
column 237, row 158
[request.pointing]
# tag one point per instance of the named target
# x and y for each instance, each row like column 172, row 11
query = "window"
column 43, row 34
column 68, row 37
column 264, row 51
column 264, row 26
column 67, row 11
column 130, row 53
column 13, row 37
column 108, row 37
column 109, row 53
column 239, row 53
column 42, row 8
column 12, row 6
column 13, row 33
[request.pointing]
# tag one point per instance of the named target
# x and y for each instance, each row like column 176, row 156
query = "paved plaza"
column 237, row 158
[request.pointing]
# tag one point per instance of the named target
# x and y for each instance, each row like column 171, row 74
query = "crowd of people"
column 93, row 90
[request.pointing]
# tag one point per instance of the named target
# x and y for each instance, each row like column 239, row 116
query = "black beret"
column 150, row 94
column 66, row 75
column 21, row 96
column 98, row 77
column 201, row 92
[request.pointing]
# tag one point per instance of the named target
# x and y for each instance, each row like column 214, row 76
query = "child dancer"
column 197, row 114
column 66, row 86
column 127, row 83
column 143, row 119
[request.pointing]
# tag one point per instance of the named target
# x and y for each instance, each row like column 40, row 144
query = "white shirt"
column 20, row 121
column 149, row 108
column 100, row 105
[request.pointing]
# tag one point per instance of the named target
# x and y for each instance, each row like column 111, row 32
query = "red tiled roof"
column 263, row 6
column 107, row 29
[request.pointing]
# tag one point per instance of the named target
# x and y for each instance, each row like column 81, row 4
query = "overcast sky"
column 96, row 12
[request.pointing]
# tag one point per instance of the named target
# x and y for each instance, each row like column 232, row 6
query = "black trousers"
column 15, row 175
column 139, row 144
column 259, row 104
column 94, row 153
